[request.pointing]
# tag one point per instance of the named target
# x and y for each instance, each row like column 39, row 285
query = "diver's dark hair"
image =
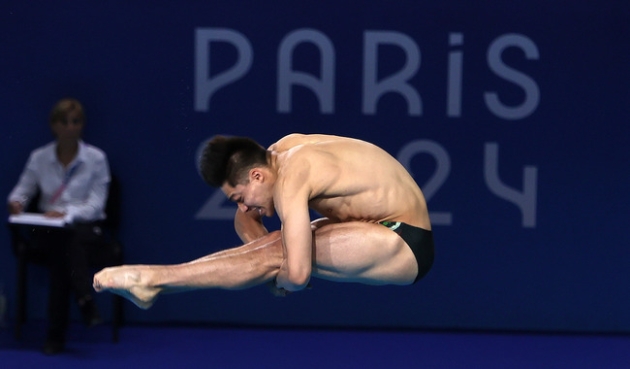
column 229, row 159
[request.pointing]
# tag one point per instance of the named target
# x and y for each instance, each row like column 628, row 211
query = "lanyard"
column 63, row 186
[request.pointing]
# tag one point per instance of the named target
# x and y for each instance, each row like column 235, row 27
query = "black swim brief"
column 420, row 241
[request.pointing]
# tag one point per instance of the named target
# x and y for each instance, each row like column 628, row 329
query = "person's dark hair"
column 64, row 107
column 229, row 159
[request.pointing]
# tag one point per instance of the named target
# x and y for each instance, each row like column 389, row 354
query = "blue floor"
column 188, row 347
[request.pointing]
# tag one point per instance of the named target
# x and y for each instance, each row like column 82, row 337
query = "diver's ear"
column 255, row 174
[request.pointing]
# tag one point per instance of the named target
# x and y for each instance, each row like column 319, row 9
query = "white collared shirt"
column 83, row 198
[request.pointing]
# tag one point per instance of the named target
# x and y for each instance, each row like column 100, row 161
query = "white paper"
column 36, row 219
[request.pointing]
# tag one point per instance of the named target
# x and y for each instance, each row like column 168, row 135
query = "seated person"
column 73, row 179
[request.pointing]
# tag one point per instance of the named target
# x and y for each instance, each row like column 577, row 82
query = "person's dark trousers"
column 69, row 253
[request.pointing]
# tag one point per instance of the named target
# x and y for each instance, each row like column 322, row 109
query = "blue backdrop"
column 513, row 118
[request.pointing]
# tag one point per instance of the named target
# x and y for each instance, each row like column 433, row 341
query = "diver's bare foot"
column 130, row 282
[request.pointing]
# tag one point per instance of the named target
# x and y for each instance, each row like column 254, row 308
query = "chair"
column 112, row 255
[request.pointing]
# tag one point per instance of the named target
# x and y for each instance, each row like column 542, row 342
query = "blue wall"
column 513, row 117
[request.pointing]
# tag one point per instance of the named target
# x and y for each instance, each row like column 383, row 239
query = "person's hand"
column 15, row 207
column 281, row 292
column 54, row 214
column 275, row 290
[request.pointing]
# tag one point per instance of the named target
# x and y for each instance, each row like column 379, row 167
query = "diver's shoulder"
column 299, row 139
